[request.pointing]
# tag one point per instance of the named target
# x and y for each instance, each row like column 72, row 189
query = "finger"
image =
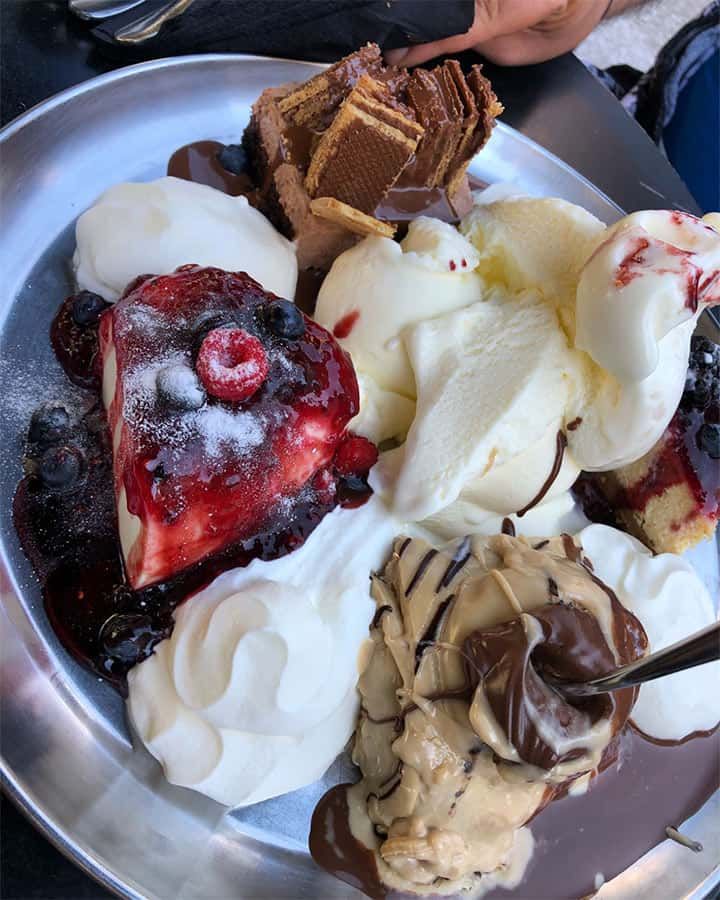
column 542, row 42
column 420, row 53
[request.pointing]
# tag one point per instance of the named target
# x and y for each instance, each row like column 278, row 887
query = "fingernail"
column 395, row 57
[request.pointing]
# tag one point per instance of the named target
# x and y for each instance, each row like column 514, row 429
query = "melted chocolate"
column 308, row 286
column 650, row 785
column 199, row 162
column 560, row 445
column 334, row 847
column 513, row 675
column 403, row 204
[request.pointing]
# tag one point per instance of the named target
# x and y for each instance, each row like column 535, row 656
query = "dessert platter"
column 341, row 423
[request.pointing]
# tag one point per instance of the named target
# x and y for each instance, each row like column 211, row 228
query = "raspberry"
column 232, row 364
column 355, row 456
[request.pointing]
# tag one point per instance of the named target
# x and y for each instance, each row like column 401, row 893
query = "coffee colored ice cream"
column 461, row 740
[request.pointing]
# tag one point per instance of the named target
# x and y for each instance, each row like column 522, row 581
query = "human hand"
column 516, row 32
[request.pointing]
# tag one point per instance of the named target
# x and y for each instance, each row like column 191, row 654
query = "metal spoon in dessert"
column 695, row 650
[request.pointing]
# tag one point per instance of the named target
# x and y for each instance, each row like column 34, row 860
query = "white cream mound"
column 671, row 601
column 254, row 693
column 154, row 227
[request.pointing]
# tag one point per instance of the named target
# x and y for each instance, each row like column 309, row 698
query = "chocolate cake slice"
column 382, row 144
column 313, row 104
column 361, row 155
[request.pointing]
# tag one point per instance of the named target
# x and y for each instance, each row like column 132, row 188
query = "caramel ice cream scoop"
column 461, row 740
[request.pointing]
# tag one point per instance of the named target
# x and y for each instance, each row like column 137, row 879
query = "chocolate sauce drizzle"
column 403, row 547
column 420, row 571
column 379, row 613
column 560, row 445
column 457, row 563
column 430, row 634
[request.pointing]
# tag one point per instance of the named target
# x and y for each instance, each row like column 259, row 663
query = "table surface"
column 559, row 104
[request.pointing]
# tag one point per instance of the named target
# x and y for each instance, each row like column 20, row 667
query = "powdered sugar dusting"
column 216, row 428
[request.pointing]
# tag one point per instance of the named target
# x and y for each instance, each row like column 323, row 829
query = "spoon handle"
column 701, row 647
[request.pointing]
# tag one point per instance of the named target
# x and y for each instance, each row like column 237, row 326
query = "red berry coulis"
column 267, row 501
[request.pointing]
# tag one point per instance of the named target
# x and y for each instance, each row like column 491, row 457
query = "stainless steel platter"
column 66, row 754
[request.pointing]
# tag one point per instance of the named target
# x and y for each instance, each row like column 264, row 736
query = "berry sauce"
column 74, row 339
column 65, row 506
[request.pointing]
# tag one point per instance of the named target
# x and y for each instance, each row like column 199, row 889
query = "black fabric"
column 321, row 30
column 654, row 99
column 618, row 79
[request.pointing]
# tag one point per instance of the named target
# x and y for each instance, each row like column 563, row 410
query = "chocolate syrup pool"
column 623, row 814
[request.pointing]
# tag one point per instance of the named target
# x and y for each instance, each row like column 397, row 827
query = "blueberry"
column 129, row 637
column 708, row 440
column 284, row 319
column 703, row 347
column 697, row 393
column 179, row 387
column 712, row 411
column 60, row 467
column 87, row 308
column 49, row 424
column 232, row 157
column 353, row 483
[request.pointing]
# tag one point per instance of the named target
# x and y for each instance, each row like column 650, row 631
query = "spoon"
column 92, row 10
column 696, row 650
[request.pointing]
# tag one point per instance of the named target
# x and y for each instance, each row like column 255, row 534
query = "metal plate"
column 66, row 754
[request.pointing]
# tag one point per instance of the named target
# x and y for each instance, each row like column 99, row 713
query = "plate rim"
column 16, row 792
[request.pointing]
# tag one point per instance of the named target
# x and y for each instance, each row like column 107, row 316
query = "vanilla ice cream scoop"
column 564, row 348
column 376, row 289
column 653, row 271
column 532, row 242
column 638, row 298
column 254, row 693
column 492, row 379
column 154, row 227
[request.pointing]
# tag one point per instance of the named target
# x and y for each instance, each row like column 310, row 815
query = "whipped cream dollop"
column 254, row 694
column 154, row 227
column 460, row 741
column 531, row 366
column 669, row 598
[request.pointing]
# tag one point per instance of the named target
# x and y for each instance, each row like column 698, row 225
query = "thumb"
column 492, row 18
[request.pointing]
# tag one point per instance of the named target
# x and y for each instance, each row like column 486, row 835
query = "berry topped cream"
column 226, row 407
